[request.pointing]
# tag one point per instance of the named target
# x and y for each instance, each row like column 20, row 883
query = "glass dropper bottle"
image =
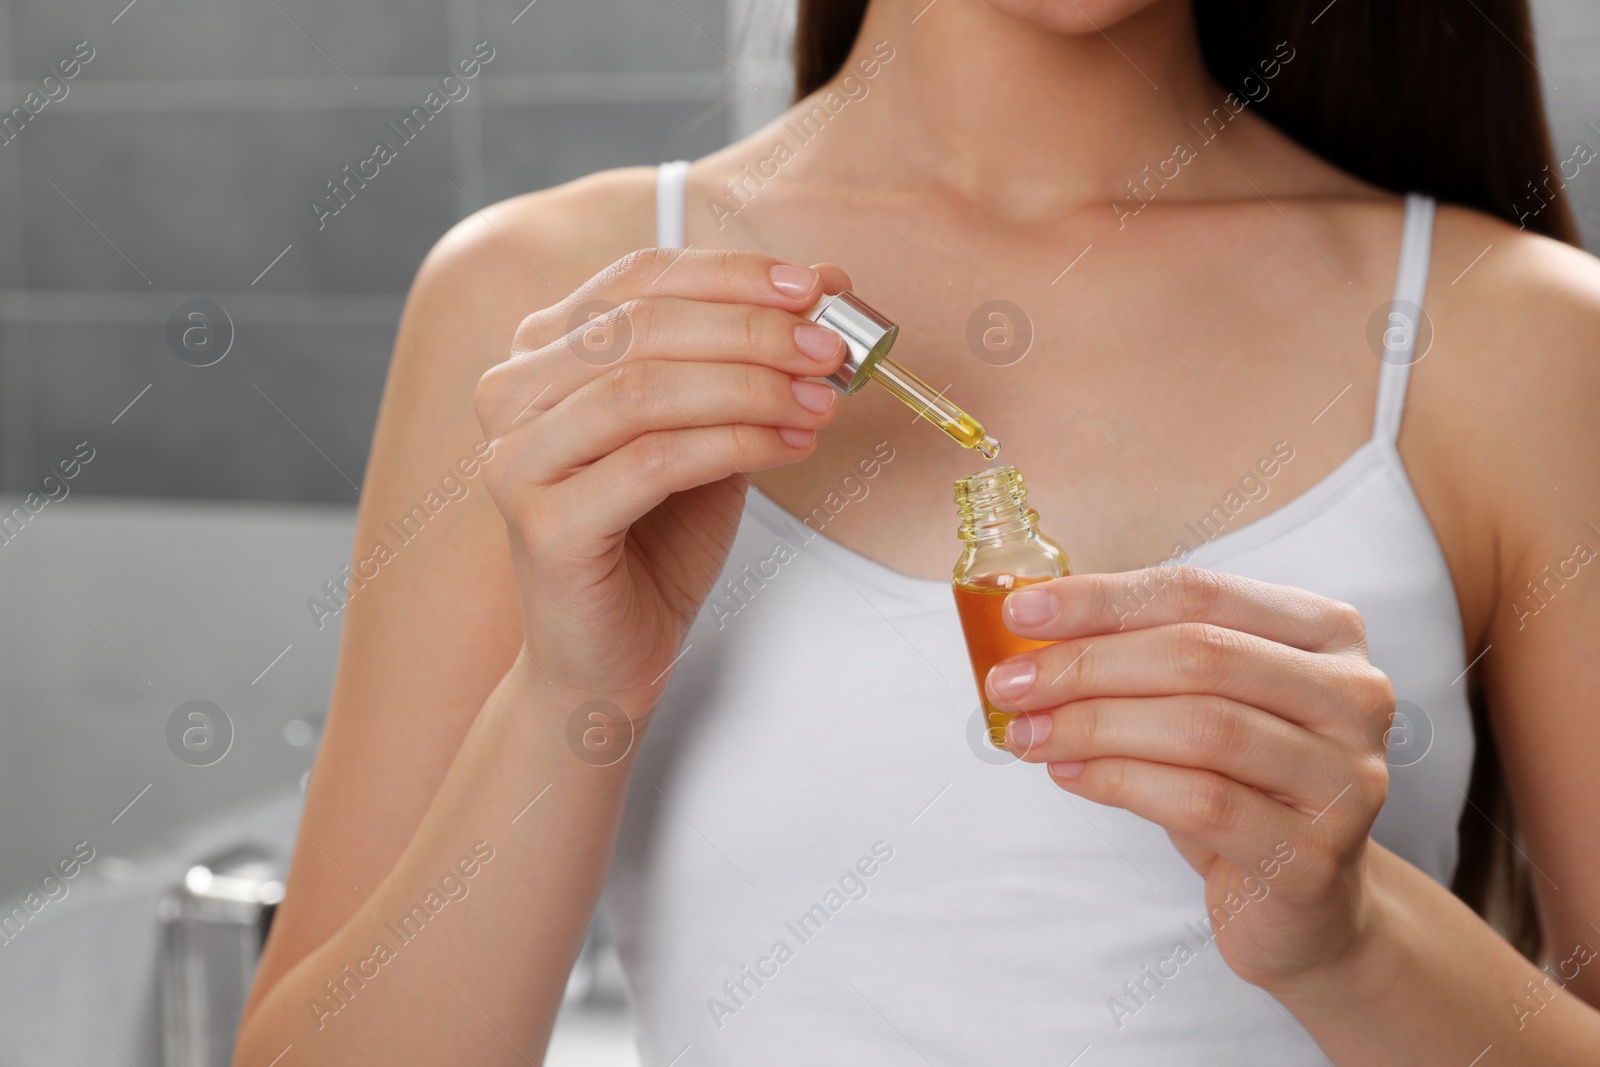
column 869, row 336
column 1003, row 550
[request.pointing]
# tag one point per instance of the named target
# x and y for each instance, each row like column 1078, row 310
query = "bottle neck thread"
column 994, row 504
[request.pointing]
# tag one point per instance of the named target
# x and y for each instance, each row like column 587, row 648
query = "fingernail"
column 796, row 438
column 1030, row 607
column 818, row 343
column 1027, row 732
column 1066, row 770
column 793, row 281
column 813, row 396
column 1007, row 680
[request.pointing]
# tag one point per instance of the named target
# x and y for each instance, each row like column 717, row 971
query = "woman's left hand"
column 1242, row 717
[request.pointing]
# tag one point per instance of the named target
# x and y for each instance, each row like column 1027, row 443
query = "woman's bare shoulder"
column 530, row 251
column 1519, row 314
column 1509, row 386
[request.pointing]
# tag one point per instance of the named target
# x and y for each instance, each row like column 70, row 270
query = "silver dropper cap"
column 867, row 334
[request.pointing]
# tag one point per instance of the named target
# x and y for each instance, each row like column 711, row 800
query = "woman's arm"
column 1541, row 673
column 1430, row 983
column 460, row 952
column 1433, row 983
column 427, row 639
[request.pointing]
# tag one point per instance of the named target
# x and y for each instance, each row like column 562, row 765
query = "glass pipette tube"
column 918, row 395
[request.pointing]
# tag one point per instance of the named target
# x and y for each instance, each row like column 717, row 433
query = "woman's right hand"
column 621, row 428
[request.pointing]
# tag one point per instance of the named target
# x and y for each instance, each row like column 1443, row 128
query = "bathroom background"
column 210, row 502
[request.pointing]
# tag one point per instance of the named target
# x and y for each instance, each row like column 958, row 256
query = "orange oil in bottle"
column 989, row 642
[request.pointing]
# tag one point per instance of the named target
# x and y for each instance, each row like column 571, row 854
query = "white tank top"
column 823, row 864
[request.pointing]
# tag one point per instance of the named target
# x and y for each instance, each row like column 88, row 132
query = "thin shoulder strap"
column 670, row 210
column 1406, row 322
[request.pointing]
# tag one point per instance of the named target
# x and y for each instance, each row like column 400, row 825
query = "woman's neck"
column 1020, row 120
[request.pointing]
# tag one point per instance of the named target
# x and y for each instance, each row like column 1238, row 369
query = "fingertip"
column 1027, row 733
column 1032, row 606
column 815, row 397
column 795, row 437
column 795, row 283
column 820, row 344
column 1010, row 679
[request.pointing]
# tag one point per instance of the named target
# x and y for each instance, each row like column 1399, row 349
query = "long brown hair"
column 1432, row 96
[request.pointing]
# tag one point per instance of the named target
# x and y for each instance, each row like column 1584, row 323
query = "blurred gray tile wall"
column 181, row 162
column 182, row 159
column 1569, row 69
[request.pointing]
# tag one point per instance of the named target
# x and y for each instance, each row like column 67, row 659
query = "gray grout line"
column 160, row 96
column 134, row 305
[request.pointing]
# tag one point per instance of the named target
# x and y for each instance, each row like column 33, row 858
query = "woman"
column 1240, row 845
